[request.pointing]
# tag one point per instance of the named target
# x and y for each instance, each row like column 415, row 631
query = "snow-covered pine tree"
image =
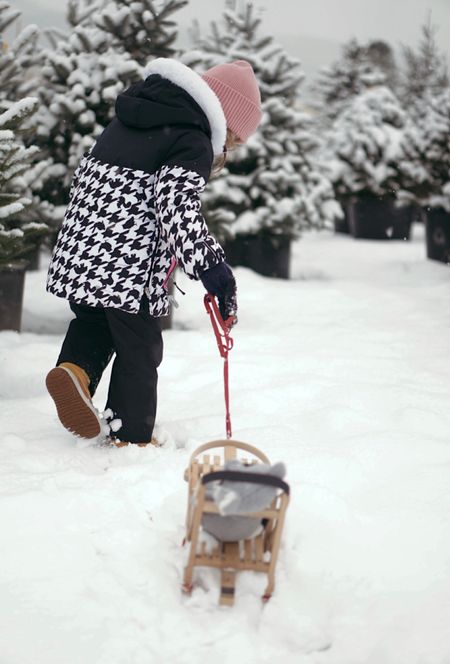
column 84, row 72
column 143, row 28
column 18, row 56
column 18, row 232
column 357, row 69
column 365, row 162
column 272, row 185
column 364, row 145
column 425, row 165
column 382, row 57
column 80, row 12
column 81, row 78
column 425, row 73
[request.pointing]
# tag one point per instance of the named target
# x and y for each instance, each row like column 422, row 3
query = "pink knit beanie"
column 237, row 89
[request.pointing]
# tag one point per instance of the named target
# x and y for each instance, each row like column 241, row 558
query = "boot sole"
column 119, row 443
column 75, row 411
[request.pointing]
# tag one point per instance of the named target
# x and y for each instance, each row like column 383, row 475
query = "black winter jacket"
column 134, row 210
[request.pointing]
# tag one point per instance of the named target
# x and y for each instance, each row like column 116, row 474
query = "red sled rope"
column 222, row 330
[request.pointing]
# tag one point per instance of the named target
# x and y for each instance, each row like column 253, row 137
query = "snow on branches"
column 426, row 156
column 365, row 145
column 273, row 183
column 17, row 234
column 144, row 28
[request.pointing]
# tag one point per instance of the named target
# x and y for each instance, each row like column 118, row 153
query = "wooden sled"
column 259, row 553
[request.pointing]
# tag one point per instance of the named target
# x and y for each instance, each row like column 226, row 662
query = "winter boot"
column 121, row 443
column 68, row 385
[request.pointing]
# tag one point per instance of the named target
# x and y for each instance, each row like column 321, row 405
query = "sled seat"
column 257, row 553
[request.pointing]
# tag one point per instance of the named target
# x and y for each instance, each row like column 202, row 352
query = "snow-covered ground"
column 343, row 373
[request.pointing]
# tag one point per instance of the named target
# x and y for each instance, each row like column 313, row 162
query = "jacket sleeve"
column 178, row 185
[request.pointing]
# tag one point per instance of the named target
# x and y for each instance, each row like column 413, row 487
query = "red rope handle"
column 225, row 344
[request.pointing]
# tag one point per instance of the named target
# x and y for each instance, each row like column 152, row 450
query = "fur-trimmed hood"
column 173, row 94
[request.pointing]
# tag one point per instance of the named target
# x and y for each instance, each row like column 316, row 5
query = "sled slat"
column 230, row 453
column 231, row 550
column 217, row 462
column 248, row 550
column 192, row 472
column 259, row 550
column 227, row 584
column 206, row 465
column 218, row 563
column 195, row 471
column 211, row 508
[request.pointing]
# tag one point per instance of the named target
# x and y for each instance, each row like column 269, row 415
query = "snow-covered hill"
column 343, row 373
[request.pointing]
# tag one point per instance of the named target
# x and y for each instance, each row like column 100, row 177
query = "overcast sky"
column 310, row 29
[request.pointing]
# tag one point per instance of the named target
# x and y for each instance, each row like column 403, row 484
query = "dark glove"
column 219, row 281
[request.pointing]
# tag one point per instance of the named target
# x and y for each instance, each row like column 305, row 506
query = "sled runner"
column 242, row 541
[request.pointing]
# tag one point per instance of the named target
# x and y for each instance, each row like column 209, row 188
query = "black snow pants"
column 94, row 336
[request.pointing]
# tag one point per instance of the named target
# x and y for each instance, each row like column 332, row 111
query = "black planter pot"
column 343, row 225
column 371, row 218
column 402, row 218
column 33, row 258
column 438, row 234
column 12, row 280
column 269, row 255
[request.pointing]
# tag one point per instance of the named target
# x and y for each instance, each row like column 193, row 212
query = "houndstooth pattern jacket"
column 135, row 210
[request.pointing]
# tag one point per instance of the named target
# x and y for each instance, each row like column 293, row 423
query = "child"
column 134, row 214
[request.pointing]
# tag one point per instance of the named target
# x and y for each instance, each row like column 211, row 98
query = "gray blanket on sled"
column 236, row 499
